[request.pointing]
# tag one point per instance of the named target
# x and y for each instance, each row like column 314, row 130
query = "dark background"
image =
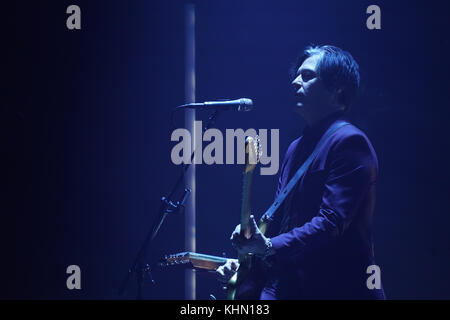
column 86, row 133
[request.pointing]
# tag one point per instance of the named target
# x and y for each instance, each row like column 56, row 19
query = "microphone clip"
column 177, row 207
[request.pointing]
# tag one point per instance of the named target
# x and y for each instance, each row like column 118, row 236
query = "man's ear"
column 337, row 99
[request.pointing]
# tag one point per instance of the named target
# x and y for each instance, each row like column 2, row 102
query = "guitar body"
column 246, row 284
column 245, row 267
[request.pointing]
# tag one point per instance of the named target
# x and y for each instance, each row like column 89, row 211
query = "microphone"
column 242, row 104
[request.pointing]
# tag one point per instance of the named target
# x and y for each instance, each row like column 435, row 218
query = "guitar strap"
column 267, row 217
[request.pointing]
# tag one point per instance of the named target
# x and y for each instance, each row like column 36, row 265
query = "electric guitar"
column 211, row 263
column 252, row 155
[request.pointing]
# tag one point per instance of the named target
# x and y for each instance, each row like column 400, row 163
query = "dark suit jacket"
column 322, row 234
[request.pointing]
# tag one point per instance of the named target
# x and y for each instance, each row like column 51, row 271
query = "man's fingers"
column 236, row 232
column 226, row 271
column 220, row 271
column 236, row 240
column 221, row 275
column 253, row 225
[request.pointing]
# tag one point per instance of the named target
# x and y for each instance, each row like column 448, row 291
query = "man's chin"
column 299, row 107
column 299, row 110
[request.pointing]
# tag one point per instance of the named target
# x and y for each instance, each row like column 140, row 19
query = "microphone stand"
column 139, row 267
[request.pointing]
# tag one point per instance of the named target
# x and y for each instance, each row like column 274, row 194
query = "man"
column 319, row 244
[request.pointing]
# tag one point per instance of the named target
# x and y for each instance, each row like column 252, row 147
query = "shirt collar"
column 320, row 127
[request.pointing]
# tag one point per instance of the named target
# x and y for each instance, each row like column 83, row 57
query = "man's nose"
column 297, row 83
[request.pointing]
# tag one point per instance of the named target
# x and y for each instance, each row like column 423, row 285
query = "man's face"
column 313, row 100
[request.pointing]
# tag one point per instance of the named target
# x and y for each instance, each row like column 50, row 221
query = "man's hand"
column 257, row 244
column 226, row 271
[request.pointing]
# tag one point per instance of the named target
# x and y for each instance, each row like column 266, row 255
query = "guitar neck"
column 247, row 178
column 193, row 260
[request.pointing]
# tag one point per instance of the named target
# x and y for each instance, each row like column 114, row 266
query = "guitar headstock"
column 193, row 260
column 253, row 153
column 175, row 259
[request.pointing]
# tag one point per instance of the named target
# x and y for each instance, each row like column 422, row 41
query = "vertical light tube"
column 189, row 238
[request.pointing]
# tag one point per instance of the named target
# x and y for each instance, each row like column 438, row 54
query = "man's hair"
column 337, row 69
